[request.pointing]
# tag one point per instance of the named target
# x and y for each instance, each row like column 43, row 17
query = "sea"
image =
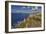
column 16, row 17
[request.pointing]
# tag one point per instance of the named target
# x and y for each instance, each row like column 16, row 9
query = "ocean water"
column 16, row 17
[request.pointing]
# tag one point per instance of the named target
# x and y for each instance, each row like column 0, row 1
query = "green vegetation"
column 31, row 21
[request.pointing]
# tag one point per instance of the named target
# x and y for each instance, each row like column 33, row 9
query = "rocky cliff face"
column 31, row 21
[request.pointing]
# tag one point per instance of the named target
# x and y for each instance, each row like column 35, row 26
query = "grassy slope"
column 31, row 21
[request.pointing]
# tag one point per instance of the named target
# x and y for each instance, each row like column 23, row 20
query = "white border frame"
column 25, row 29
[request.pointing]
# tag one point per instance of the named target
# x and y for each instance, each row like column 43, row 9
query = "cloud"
column 34, row 8
column 28, row 7
column 23, row 7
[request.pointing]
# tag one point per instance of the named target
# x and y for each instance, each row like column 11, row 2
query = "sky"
column 18, row 8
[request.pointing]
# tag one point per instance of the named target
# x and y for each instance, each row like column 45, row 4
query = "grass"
column 31, row 21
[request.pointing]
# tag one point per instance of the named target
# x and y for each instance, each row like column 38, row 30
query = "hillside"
column 31, row 21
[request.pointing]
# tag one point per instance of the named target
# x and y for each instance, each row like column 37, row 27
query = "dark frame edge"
column 25, row 2
column 6, row 16
column 44, row 17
